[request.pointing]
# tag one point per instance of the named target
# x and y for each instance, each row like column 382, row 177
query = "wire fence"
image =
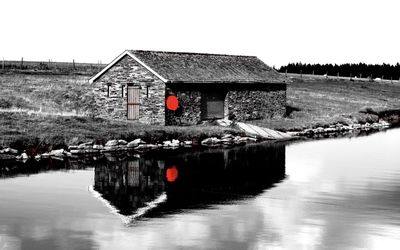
column 50, row 66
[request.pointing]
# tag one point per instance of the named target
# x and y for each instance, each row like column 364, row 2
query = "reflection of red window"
column 172, row 103
column 172, row 174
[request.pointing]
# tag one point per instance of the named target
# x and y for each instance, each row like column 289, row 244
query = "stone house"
column 172, row 88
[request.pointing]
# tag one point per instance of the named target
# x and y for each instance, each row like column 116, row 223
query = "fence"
column 50, row 66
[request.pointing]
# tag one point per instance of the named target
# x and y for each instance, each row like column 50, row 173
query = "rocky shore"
column 338, row 129
column 138, row 146
column 135, row 147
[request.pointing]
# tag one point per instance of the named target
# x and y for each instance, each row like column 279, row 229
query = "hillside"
column 56, row 109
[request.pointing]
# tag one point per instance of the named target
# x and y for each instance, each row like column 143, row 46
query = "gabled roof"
column 179, row 67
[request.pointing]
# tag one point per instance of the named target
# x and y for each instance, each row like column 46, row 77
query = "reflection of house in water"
column 191, row 179
column 128, row 185
column 222, row 175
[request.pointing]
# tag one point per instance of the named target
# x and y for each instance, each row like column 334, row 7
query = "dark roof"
column 196, row 67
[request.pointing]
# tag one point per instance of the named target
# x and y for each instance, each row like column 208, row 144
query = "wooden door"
column 133, row 102
column 213, row 103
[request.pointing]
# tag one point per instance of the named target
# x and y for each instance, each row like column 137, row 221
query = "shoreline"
column 138, row 147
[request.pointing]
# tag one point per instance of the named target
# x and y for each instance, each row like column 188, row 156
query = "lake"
column 334, row 193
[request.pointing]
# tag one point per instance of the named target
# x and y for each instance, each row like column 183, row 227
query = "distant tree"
column 347, row 69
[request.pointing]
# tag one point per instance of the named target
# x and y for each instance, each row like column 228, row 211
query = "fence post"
column 73, row 63
column 301, row 74
column 313, row 72
column 22, row 62
column 338, row 75
column 286, row 73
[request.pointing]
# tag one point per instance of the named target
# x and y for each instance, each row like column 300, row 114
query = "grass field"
column 43, row 111
column 314, row 102
column 46, row 93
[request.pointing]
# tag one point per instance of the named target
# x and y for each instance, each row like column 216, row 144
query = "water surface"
column 335, row 194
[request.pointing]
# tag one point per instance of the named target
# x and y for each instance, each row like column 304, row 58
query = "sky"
column 278, row 32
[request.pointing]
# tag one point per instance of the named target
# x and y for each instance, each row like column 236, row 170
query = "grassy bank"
column 41, row 133
column 314, row 102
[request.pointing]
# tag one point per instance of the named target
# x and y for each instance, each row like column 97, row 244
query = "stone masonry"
column 189, row 110
column 128, row 71
column 244, row 105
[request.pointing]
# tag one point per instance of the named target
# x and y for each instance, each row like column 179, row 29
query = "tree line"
column 387, row 71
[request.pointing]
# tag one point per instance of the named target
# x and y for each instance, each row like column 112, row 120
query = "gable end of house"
column 119, row 58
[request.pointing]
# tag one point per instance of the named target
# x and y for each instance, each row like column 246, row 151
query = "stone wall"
column 128, row 71
column 246, row 105
column 189, row 110
column 242, row 102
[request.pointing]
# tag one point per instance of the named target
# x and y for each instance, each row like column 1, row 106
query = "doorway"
column 213, row 105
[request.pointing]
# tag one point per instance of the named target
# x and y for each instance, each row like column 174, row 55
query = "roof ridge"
column 189, row 53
